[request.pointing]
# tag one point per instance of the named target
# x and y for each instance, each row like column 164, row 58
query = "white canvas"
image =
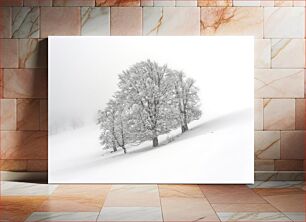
column 218, row 146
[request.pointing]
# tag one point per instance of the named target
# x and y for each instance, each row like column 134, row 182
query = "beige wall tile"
column 171, row 21
column 262, row 53
column 13, row 165
column 279, row 3
column 8, row 53
column 28, row 114
column 37, row 165
column 37, row 2
column 289, row 165
column 267, row 145
column 146, row 2
column 4, row 3
column 1, row 83
column 279, row 114
column 212, row 3
column 5, row 22
column 186, row 3
column 279, row 83
column 232, row 21
column 292, row 145
column 246, row 3
column 126, row 21
column 299, row 3
column 25, row 22
column 24, row 145
column 266, row 3
column 51, row 17
column 73, row 2
column 288, row 53
column 43, row 117
column 258, row 114
column 264, row 165
column 8, row 114
column 118, row 3
column 25, row 83
column 279, row 22
column 95, row 21
column 300, row 114
column 32, row 53
column 163, row 3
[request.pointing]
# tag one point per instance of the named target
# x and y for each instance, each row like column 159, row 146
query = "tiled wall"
column 279, row 28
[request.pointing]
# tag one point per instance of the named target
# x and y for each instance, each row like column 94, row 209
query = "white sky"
column 83, row 71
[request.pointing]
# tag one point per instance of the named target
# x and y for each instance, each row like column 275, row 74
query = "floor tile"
column 9, row 188
column 262, row 207
column 190, row 191
column 284, row 199
column 71, row 204
column 18, row 208
column 133, row 196
column 268, row 216
column 130, row 214
column 230, row 194
column 296, row 216
column 277, row 184
column 78, row 190
column 187, row 209
column 63, row 216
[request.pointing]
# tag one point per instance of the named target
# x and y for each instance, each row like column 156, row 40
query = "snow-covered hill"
column 197, row 156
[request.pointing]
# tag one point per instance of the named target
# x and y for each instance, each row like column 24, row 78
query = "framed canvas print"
column 151, row 109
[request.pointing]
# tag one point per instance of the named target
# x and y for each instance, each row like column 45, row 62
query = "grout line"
column 161, row 208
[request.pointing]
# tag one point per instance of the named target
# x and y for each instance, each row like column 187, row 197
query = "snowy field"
column 192, row 157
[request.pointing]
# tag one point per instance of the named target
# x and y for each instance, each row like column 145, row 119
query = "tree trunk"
column 114, row 147
column 184, row 128
column 124, row 149
column 155, row 141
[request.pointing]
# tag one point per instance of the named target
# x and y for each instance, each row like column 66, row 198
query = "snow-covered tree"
column 147, row 92
column 186, row 101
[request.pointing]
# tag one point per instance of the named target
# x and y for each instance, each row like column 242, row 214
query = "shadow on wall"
column 24, row 124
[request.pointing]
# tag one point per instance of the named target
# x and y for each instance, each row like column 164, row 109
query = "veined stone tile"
column 43, row 115
column 262, row 53
column 8, row 53
column 187, row 191
column 253, row 216
column 5, row 22
column 73, row 2
column 95, row 21
column 277, row 184
column 63, row 216
column 246, row 3
column 288, row 53
column 171, row 21
column 295, row 216
column 22, row 145
column 13, row 165
column 299, row 3
column 278, row 3
column 163, row 3
column 28, row 114
column 118, row 3
column 186, row 3
column 279, row 114
column 300, row 114
column 289, row 165
column 304, row 83
column 292, row 145
column 37, row 165
column 32, row 53
column 232, row 21
column 262, row 165
column 126, row 21
column 267, row 145
column 278, row 22
column 146, row 2
column 267, row 3
column 187, row 209
column 279, row 175
column 37, row 2
column 5, row 3
column 9, row 188
column 262, row 207
column 130, row 214
column 1, row 83
column 93, row 191
column 25, row 83
column 8, row 114
column 221, row 3
column 258, row 114
column 25, row 22
column 279, row 83
column 51, row 17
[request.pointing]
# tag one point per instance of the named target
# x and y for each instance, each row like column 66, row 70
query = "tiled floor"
column 263, row 201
